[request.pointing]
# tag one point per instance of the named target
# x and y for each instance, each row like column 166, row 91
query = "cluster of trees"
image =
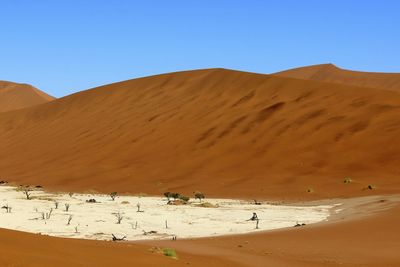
column 175, row 196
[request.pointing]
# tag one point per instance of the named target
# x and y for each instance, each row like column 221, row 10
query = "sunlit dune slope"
column 23, row 249
column 16, row 96
column 224, row 132
column 331, row 73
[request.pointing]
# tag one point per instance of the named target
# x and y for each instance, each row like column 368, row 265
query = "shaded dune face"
column 333, row 74
column 15, row 96
column 223, row 132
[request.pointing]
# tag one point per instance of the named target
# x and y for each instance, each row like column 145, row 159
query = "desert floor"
column 142, row 217
column 364, row 233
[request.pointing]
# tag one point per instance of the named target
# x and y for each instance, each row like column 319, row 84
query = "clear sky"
column 64, row 46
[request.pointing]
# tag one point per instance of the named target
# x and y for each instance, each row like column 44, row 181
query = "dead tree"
column 149, row 232
column 119, row 217
column 69, row 219
column 299, row 224
column 48, row 215
column 66, row 207
column 138, row 207
column 113, row 195
column 114, row 238
column 7, row 208
column 198, row 195
column 254, row 217
column 56, row 204
column 134, row 227
column 27, row 191
column 256, row 202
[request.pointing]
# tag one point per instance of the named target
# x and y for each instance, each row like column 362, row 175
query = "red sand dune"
column 331, row 73
column 224, row 132
column 16, row 96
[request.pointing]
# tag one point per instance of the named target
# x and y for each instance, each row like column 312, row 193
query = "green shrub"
column 184, row 198
column 168, row 195
column 175, row 195
column 169, row 252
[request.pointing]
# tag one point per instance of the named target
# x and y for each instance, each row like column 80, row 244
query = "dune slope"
column 227, row 133
column 331, row 73
column 16, row 96
column 23, row 249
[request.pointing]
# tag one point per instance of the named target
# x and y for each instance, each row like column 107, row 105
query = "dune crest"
column 15, row 96
column 333, row 74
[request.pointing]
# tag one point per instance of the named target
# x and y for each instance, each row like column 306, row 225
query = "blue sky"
column 63, row 47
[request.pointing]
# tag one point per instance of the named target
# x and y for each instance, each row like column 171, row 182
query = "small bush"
column 347, row 180
column 169, row 252
column 113, row 195
column 310, row 190
column 168, row 195
column 184, row 198
column 119, row 217
column 175, row 195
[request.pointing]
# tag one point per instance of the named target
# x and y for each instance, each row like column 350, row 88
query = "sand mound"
column 225, row 133
column 333, row 74
column 16, row 96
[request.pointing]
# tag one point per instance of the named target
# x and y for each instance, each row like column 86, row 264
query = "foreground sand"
column 365, row 236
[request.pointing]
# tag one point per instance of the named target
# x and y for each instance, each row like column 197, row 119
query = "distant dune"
column 224, row 132
column 16, row 96
column 333, row 74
